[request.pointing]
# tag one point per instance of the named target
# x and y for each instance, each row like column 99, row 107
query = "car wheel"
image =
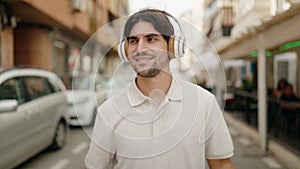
column 60, row 136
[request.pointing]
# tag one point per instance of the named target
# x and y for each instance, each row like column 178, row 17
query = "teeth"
column 142, row 59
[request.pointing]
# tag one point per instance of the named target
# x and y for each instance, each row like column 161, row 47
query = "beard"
column 152, row 72
column 152, row 67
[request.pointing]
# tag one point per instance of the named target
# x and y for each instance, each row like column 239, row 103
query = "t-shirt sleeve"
column 97, row 158
column 218, row 144
column 99, row 155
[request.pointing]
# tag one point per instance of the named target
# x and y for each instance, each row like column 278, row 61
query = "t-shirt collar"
column 136, row 97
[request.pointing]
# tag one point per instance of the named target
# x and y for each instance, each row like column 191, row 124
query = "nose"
column 141, row 46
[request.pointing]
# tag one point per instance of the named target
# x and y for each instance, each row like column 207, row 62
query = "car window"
column 36, row 87
column 54, row 84
column 12, row 89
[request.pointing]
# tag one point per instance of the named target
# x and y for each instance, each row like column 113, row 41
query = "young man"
column 158, row 122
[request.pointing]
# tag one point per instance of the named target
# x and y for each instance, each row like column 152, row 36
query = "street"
column 59, row 60
column 247, row 154
column 70, row 157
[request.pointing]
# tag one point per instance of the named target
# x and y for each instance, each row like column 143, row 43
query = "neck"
column 161, row 82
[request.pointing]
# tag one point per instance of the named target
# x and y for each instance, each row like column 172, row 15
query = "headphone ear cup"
column 176, row 47
column 171, row 47
column 122, row 50
column 180, row 46
column 176, row 41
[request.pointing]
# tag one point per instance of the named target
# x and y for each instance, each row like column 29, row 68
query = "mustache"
column 142, row 54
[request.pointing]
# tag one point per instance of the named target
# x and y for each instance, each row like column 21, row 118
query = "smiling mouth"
column 143, row 59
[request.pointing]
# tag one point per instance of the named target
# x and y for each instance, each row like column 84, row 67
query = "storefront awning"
column 280, row 29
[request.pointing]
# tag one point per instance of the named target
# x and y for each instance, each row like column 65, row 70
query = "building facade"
column 258, row 43
column 50, row 34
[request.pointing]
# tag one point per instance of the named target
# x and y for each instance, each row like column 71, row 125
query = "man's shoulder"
column 117, row 97
column 191, row 87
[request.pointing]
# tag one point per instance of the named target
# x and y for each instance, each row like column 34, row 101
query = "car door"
column 41, row 110
column 15, row 126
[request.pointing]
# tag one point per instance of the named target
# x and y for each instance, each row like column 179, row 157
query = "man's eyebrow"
column 131, row 37
column 147, row 35
column 152, row 35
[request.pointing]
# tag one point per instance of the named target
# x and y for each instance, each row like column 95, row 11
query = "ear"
column 171, row 47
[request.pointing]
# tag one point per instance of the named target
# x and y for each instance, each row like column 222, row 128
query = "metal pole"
column 262, row 99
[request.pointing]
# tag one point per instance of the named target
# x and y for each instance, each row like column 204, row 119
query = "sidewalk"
column 248, row 155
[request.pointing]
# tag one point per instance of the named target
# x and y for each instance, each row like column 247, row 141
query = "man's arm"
column 100, row 154
column 97, row 158
column 220, row 164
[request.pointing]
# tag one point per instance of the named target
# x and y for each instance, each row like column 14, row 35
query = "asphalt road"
column 247, row 154
column 70, row 157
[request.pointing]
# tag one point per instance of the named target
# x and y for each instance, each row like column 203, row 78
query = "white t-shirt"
column 132, row 132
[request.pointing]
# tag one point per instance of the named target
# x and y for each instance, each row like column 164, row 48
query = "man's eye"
column 150, row 39
column 132, row 41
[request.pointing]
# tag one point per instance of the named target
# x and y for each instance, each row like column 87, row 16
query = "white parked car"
column 87, row 94
column 33, row 114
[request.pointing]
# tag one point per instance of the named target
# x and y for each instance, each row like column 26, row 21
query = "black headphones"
column 176, row 43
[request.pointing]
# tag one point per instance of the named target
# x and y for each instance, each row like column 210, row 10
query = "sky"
column 174, row 7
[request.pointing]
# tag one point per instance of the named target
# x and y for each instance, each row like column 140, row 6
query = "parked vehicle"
column 33, row 114
column 88, row 92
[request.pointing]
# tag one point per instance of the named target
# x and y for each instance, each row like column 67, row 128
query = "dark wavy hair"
column 159, row 20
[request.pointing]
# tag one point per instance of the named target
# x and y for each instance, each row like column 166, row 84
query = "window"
column 279, row 6
column 54, row 84
column 12, row 89
column 285, row 67
column 36, row 87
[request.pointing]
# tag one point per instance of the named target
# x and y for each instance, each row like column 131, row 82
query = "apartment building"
column 50, row 34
